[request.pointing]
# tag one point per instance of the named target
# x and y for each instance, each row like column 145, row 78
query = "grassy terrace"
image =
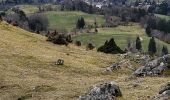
column 68, row 19
column 121, row 34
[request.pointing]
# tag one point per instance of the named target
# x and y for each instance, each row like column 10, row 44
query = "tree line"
column 35, row 22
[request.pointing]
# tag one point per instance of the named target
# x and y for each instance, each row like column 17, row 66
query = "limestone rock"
column 107, row 91
column 154, row 67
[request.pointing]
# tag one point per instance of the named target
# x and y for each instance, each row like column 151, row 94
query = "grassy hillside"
column 68, row 19
column 121, row 35
column 27, row 70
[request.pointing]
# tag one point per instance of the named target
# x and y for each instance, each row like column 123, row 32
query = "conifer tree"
column 164, row 50
column 152, row 46
column 138, row 44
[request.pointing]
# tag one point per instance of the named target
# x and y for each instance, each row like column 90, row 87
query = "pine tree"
column 78, row 24
column 95, row 26
column 148, row 31
column 152, row 46
column 82, row 23
column 164, row 50
column 110, row 47
column 138, row 44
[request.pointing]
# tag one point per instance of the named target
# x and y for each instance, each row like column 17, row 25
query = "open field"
column 121, row 34
column 28, row 9
column 27, row 69
column 163, row 16
column 68, row 19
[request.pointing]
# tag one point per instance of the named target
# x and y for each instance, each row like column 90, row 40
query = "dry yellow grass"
column 27, row 70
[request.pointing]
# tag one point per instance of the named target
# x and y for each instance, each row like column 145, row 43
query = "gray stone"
column 164, row 93
column 154, row 67
column 60, row 62
column 166, row 87
column 107, row 91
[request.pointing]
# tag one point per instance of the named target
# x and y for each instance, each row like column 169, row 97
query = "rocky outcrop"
column 107, row 91
column 164, row 93
column 119, row 65
column 136, row 57
column 154, row 67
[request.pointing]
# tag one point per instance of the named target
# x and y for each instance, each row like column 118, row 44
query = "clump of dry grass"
column 27, row 63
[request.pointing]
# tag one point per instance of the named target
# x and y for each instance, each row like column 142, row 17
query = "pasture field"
column 163, row 16
column 28, row 70
column 121, row 34
column 68, row 19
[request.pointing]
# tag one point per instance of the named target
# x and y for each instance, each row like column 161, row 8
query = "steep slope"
column 27, row 70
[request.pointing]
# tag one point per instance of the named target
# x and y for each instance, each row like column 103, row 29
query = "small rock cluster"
column 59, row 62
column 136, row 57
column 107, row 91
column 118, row 65
column 164, row 93
column 154, row 67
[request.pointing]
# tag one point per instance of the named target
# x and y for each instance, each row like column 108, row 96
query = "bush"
column 0, row 18
column 164, row 50
column 110, row 47
column 148, row 31
column 78, row 43
column 60, row 39
column 90, row 46
column 138, row 44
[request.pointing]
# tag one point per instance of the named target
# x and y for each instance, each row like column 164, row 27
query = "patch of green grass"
column 28, row 9
column 68, row 19
column 121, row 35
column 163, row 16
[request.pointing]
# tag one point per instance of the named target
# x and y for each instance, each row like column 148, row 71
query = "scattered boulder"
column 154, row 67
column 107, row 91
column 164, row 93
column 118, row 65
column 60, row 62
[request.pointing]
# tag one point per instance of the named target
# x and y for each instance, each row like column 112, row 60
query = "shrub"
column 15, row 23
column 164, row 50
column 69, row 39
column 90, row 46
column 110, row 47
column 138, row 44
column 61, row 39
column 0, row 18
column 148, row 31
column 78, row 43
